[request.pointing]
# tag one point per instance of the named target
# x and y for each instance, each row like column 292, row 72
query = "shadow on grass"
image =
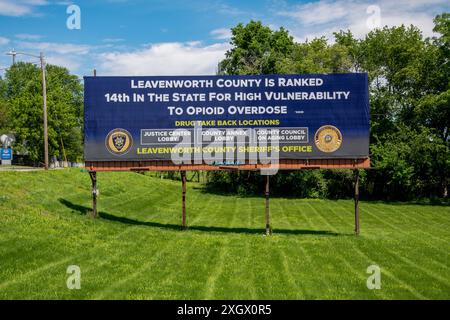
column 423, row 202
column 107, row 216
column 437, row 202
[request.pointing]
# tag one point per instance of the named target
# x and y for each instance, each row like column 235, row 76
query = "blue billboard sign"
column 307, row 116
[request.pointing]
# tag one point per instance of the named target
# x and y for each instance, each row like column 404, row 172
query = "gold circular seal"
column 328, row 138
column 119, row 141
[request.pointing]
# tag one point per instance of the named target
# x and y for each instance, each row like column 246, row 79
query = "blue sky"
column 155, row 37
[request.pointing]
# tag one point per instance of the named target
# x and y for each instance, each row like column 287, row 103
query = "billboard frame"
column 166, row 165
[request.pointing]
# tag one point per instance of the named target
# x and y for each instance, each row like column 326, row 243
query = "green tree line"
column 409, row 106
column 21, row 111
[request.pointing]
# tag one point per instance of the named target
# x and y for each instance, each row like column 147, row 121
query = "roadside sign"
column 6, row 154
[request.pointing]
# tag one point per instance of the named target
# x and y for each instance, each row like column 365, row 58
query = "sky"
column 180, row 37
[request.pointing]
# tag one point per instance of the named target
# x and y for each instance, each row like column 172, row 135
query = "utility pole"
column 44, row 95
column 13, row 53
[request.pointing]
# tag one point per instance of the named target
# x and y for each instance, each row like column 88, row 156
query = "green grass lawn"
column 137, row 251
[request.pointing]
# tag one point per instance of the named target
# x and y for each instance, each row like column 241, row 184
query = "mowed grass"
column 137, row 250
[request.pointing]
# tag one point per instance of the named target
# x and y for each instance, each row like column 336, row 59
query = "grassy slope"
column 137, row 251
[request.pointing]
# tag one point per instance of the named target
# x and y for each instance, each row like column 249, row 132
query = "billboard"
column 236, row 118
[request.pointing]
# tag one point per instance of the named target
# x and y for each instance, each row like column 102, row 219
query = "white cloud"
column 172, row 58
column 322, row 18
column 321, row 12
column 63, row 3
column 18, row 8
column 229, row 10
column 55, row 47
column 3, row 41
column 27, row 36
column 71, row 63
column 112, row 40
column 69, row 55
column 222, row 33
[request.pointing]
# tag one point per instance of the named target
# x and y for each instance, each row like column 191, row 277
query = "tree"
column 433, row 109
column 256, row 50
column 317, row 56
column 409, row 105
column 3, row 106
column 64, row 105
